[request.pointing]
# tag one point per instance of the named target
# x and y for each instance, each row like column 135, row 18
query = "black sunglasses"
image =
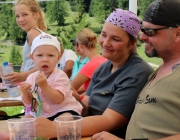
column 151, row 31
column 74, row 44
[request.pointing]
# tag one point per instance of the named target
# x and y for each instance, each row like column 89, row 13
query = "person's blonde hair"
column 87, row 37
column 34, row 8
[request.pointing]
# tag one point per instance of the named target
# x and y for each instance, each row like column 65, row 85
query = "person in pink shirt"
column 87, row 41
column 48, row 90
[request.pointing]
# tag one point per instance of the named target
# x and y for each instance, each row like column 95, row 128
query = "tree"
column 123, row 4
column 56, row 12
column 15, row 57
column 142, row 5
column 80, row 9
column 100, row 9
column 16, row 33
column 5, row 16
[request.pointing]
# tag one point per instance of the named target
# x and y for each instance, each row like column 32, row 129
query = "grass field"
column 153, row 60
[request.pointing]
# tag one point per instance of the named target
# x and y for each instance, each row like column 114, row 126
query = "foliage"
column 8, row 25
column 56, row 12
column 5, row 16
column 123, row 4
column 16, row 33
column 73, row 6
column 43, row 5
column 101, row 8
column 97, row 29
column 12, row 110
column 142, row 5
column 15, row 56
column 80, row 11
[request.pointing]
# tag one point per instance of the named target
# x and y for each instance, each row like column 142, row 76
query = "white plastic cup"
column 22, row 129
column 69, row 127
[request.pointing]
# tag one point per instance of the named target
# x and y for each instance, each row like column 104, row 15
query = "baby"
column 48, row 90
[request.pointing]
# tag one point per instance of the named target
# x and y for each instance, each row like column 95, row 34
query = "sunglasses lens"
column 150, row 32
column 74, row 43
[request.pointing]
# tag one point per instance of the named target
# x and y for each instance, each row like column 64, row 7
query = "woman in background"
column 86, row 42
column 80, row 61
column 29, row 18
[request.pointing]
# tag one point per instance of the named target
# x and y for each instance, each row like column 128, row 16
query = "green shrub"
column 97, row 30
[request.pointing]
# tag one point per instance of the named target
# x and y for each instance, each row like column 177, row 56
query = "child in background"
column 51, row 86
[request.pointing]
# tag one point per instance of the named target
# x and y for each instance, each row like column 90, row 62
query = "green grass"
column 12, row 110
column 6, row 54
column 154, row 60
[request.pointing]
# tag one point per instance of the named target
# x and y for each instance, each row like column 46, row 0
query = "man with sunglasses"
column 157, row 111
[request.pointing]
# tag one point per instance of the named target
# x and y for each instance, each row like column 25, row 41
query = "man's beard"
column 153, row 53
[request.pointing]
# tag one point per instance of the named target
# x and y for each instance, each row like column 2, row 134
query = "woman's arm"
column 84, row 103
column 108, row 121
column 105, row 136
column 45, row 128
column 78, row 81
column 16, row 77
column 68, row 67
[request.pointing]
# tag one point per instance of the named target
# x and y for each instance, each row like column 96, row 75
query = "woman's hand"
column 13, row 77
column 105, row 136
column 76, row 94
column 45, row 128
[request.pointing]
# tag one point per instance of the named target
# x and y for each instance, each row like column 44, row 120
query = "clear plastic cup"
column 69, row 127
column 22, row 129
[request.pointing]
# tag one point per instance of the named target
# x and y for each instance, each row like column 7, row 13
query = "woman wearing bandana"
column 115, row 85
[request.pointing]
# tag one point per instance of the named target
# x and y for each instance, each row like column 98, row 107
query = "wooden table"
column 4, row 127
column 8, row 103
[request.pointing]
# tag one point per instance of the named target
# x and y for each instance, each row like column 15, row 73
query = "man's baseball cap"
column 163, row 12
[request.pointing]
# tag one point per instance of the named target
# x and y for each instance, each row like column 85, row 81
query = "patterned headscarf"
column 126, row 20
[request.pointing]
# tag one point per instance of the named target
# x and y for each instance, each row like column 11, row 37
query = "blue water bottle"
column 12, row 90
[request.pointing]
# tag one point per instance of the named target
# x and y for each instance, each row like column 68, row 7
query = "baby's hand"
column 41, row 79
column 25, row 87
